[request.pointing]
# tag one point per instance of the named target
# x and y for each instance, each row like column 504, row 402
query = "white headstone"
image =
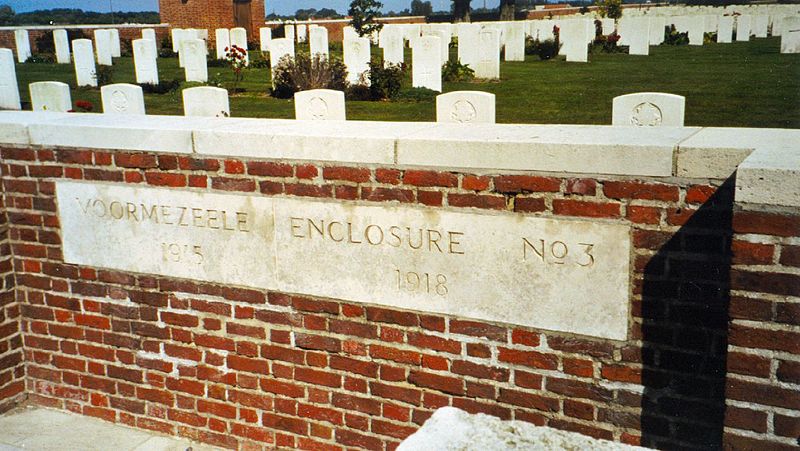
column 466, row 107
column 265, row 35
column 302, row 32
column 239, row 39
column 318, row 42
column 608, row 26
column 468, row 44
column 223, row 41
column 9, row 89
column 657, row 26
column 649, row 109
column 356, row 59
column 444, row 44
column 177, row 37
column 149, row 33
column 743, row 27
column 288, row 32
column 102, row 42
column 319, row 105
column 696, row 28
column 194, row 57
column 391, row 41
column 426, row 59
column 348, row 33
column 280, row 48
column 206, row 101
column 83, row 56
column 122, row 98
column 515, row 42
column 638, row 31
column 23, row 44
column 790, row 34
column 116, row 45
column 777, row 24
column 145, row 61
column 488, row 65
column 710, row 23
column 573, row 37
column 725, row 29
column 50, row 96
column 760, row 25
column 61, row 40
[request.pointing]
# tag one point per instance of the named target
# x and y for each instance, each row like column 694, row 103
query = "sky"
column 282, row 7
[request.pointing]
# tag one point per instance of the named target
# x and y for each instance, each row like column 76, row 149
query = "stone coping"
column 767, row 161
column 89, row 27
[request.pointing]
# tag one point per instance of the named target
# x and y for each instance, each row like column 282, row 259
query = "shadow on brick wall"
column 685, row 294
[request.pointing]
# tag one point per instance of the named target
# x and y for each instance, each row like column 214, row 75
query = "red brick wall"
column 12, row 371
column 209, row 14
column 763, row 388
column 125, row 34
column 241, row 367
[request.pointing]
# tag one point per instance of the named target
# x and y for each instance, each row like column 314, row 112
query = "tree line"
column 65, row 16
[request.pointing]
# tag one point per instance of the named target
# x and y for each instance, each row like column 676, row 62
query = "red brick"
column 165, row 179
column 748, row 364
column 585, row 187
column 247, row 364
column 319, row 342
column 766, row 223
column 526, row 183
column 789, row 372
column 446, row 384
column 525, row 379
column 387, row 194
column 644, row 215
column 622, row 373
column 766, row 282
column 390, row 176
column 786, row 426
column 356, row 175
column 740, row 418
column 318, row 377
column 480, row 371
column 198, row 181
column 233, row 184
column 136, row 160
column 365, row 405
column 186, row 386
column 430, row 178
column 383, row 315
column 433, row 342
column 431, row 198
column 578, row 367
column 578, row 389
column 641, row 190
column 97, row 322
column 245, row 331
column 350, row 438
column 216, row 408
column 790, row 255
column 477, row 201
column 569, row 207
column 528, row 400
column 393, row 354
column 478, row 329
column 764, row 394
column 306, row 171
column 234, row 167
column 528, row 358
column 529, row 204
column 747, row 253
column 699, row 194
column 307, row 190
column 524, row 337
column 578, row 409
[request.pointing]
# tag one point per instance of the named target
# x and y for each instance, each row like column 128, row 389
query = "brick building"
column 213, row 14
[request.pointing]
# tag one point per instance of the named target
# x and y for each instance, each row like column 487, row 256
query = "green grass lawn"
column 743, row 84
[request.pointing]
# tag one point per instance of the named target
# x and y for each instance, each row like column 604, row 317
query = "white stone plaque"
column 201, row 236
column 556, row 274
column 9, row 88
column 61, row 41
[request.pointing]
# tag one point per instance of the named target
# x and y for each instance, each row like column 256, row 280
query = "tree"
column 420, row 8
column 363, row 14
column 609, row 8
column 508, row 9
column 6, row 15
column 461, row 10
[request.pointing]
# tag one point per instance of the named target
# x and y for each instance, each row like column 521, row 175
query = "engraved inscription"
column 464, row 111
column 318, row 108
column 558, row 252
column 120, row 101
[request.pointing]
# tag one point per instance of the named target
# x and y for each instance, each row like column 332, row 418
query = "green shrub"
column 104, row 75
column 454, row 71
column 358, row 91
column 607, row 44
column 41, row 58
column 163, row 87
column 166, row 48
column 673, row 37
column 304, row 72
column 545, row 50
column 709, row 38
column 259, row 60
column 385, row 81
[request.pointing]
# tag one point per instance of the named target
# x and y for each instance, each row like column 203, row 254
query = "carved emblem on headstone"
column 646, row 114
column 464, row 111
column 318, row 108
column 120, row 101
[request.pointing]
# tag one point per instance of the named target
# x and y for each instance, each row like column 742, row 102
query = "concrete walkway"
column 53, row 430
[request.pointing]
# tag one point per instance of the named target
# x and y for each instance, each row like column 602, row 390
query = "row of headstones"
column 465, row 107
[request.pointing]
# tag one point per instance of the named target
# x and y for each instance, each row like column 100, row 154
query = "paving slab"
column 53, row 430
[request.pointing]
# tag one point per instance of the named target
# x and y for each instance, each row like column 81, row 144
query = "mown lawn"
column 743, row 84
